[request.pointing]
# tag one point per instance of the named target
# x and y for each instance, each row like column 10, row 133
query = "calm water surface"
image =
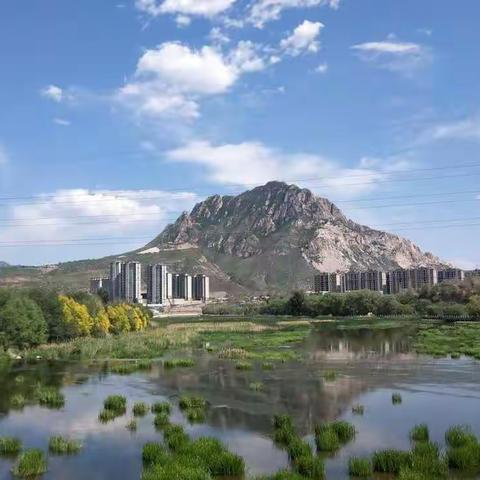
column 370, row 365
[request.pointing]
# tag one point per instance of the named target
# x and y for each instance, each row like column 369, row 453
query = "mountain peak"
column 279, row 233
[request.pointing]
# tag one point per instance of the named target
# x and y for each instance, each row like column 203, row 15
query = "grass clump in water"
column 358, row 409
column 420, row 433
column 309, row 466
column 10, row 446
column 426, row 462
column 49, row 397
column 132, row 425
column 31, row 463
column 153, row 453
column 162, row 419
column 284, row 431
column 330, row 375
column 396, row 398
column 360, row 467
column 195, row 415
column 243, row 366
column 106, row 416
column 256, row 386
column 465, row 458
column 17, row 402
column 179, row 363
column 267, row 366
column 116, row 403
column 191, row 401
column 174, row 470
column 161, row 407
column 140, row 409
column 330, row 436
column 459, row 436
column 63, row 446
column 175, row 437
column 391, row 461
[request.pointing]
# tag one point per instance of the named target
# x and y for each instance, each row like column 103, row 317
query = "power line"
column 374, row 176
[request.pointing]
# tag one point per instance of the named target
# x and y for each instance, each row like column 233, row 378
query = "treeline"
column 35, row 316
column 444, row 300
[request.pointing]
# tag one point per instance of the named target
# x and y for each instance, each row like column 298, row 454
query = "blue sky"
column 116, row 115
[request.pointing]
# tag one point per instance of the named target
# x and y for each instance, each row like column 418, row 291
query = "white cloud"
column 183, row 21
column 263, row 11
column 52, row 92
column 393, row 55
column 83, row 214
column 303, row 39
column 62, row 122
column 170, row 80
column 217, row 36
column 251, row 163
column 466, row 129
column 322, row 68
column 206, row 8
column 4, row 158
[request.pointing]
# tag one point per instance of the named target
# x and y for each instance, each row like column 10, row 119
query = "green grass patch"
column 106, row 416
column 140, row 409
column 161, row 407
column 420, row 433
column 31, row 463
column 154, row 453
column 391, row 461
column 116, row 403
column 49, row 397
column 161, row 420
column 309, row 466
column 459, row 436
column 17, row 401
column 10, row 446
column 179, row 363
column 243, row 366
column 175, row 438
column 192, row 401
column 360, row 467
column 63, row 446
column 329, row 437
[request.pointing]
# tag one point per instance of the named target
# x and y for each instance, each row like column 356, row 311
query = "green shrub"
column 31, row 463
column 391, row 461
column 161, row 407
column 420, row 433
column 140, row 409
column 17, row 401
column 459, row 436
column 360, row 467
column 153, row 453
column 63, row 446
column 10, row 446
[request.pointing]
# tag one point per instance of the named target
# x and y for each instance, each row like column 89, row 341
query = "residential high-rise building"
column 169, row 286
column 157, row 287
column 423, row 277
column 327, row 282
column 96, row 284
column 116, row 284
column 399, row 280
column 451, row 275
column 201, row 288
column 373, row 280
column 132, row 281
column 350, row 281
column 185, row 286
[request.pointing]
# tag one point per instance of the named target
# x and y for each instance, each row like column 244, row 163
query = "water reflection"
column 370, row 365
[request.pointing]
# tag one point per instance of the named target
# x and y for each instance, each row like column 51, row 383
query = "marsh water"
column 370, row 366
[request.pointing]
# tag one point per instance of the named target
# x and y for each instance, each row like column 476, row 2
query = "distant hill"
column 271, row 238
column 3, row 264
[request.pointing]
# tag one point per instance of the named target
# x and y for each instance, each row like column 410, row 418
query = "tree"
column 473, row 306
column 22, row 322
column 104, row 295
column 76, row 318
column 47, row 300
column 297, row 304
column 101, row 324
column 119, row 320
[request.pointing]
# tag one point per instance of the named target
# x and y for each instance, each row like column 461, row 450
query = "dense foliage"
column 443, row 300
column 33, row 317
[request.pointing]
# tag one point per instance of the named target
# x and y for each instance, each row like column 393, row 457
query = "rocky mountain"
column 276, row 236
column 269, row 239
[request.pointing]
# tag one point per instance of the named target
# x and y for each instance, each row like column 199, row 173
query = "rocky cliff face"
column 278, row 235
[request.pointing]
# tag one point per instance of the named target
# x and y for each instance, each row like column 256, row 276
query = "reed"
column 31, row 463
column 360, row 467
column 153, row 453
column 49, row 397
column 63, row 446
column 161, row 407
column 140, row 409
column 420, row 433
column 10, row 446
